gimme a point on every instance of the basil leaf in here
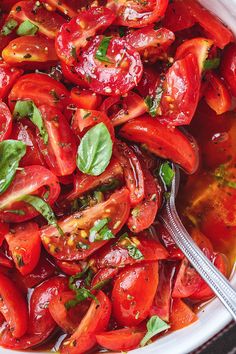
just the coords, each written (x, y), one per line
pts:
(9, 27)
(28, 109)
(102, 50)
(44, 209)
(166, 173)
(27, 28)
(100, 231)
(95, 150)
(80, 295)
(210, 64)
(78, 276)
(132, 248)
(154, 326)
(153, 102)
(11, 152)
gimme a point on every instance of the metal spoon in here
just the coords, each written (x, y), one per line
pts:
(217, 282)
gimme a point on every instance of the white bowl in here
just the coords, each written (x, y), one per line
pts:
(213, 317)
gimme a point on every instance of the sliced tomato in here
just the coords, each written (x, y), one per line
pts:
(118, 75)
(5, 261)
(84, 183)
(48, 91)
(181, 315)
(133, 173)
(62, 6)
(137, 14)
(85, 119)
(144, 213)
(163, 141)
(177, 16)
(33, 51)
(95, 321)
(104, 275)
(13, 307)
(118, 255)
(4, 40)
(149, 81)
(216, 94)
(85, 99)
(6, 5)
(174, 252)
(5, 121)
(76, 228)
(25, 245)
(121, 339)
(69, 74)
(48, 23)
(215, 29)
(181, 91)
(8, 76)
(30, 180)
(74, 35)
(4, 229)
(228, 67)
(69, 268)
(121, 109)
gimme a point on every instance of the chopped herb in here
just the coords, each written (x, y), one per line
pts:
(86, 115)
(154, 326)
(153, 102)
(166, 173)
(9, 27)
(134, 252)
(54, 95)
(16, 211)
(27, 28)
(81, 245)
(222, 175)
(80, 295)
(102, 50)
(73, 52)
(211, 64)
(100, 231)
(132, 248)
(19, 260)
(98, 196)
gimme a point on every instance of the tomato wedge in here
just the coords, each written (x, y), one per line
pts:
(4, 229)
(5, 121)
(164, 236)
(164, 142)
(104, 275)
(95, 321)
(61, 6)
(25, 245)
(76, 228)
(181, 315)
(228, 67)
(177, 16)
(121, 71)
(85, 99)
(8, 76)
(69, 268)
(129, 308)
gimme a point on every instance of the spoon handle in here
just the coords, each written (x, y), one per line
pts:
(218, 283)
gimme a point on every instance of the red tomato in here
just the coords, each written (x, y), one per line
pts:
(13, 307)
(216, 94)
(181, 90)
(181, 315)
(60, 150)
(30, 180)
(121, 339)
(133, 172)
(4, 229)
(84, 183)
(61, 6)
(48, 91)
(122, 71)
(76, 228)
(4, 40)
(216, 30)
(30, 51)
(149, 81)
(164, 142)
(48, 23)
(104, 275)
(121, 109)
(25, 245)
(5, 121)
(177, 16)
(69, 268)
(74, 35)
(117, 254)
(6, 5)
(85, 119)
(144, 213)
(70, 75)
(133, 293)
(95, 321)
(5, 262)
(174, 252)
(85, 99)
(8, 76)
(228, 67)
(137, 14)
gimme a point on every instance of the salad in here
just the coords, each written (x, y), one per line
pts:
(97, 99)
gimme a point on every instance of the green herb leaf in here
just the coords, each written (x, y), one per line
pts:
(16, 211)
(44, 209)
(78, 276)
(102, 50)
(95, 150)
(153, 102)
(166, 173)
(11, 152)
(19, 260)
(154, 326)
(28, 109)
(100, 231)
(210, 64)
(81, 295)
(27, 28)
(132, 248)
(9, 27)
(222, 175)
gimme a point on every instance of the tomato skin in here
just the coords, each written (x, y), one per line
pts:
(30, 180)
(150, 79)
(4, 229)
(13, 307)
(174, 252)
(42, 94)
(75, 33)
(25, 246)
(70, 75)
(120, 339)
(95, 321)
(69, 268)
(104, 275)
(85, 99)
(163, 141)
(5, 121)
(228, 67)
(116, 208)
(181, 315)
(134, 280)
(62, 6)
(8, 76)
(177, 16)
